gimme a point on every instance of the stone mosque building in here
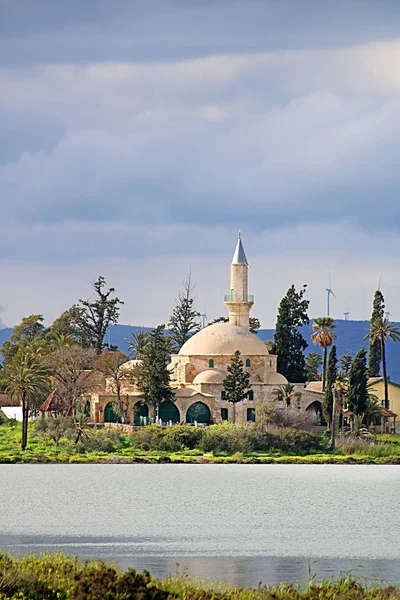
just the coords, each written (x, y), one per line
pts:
(198, 371)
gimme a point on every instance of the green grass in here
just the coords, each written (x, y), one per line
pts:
(385, 451)
(60, 577)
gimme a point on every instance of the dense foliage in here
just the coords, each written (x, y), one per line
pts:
(374, 357)
(237, 382)
(289, 343)
(357, 395)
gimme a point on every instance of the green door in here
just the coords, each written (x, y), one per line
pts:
(168, 412)
(140, 410)
(109, 414)
(87, 409)
(251, 414)
(198, 412)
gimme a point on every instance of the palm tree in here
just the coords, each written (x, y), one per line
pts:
(287, 393)
(339, 389)
(373, 410)
(323, 336)
(137, 343)
(382, 330)
(26, 380)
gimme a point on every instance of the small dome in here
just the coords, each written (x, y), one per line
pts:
(225, 339)
(274, 378)
(209, 376)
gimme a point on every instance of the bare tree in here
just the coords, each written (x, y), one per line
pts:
(110, 362)
(70, 367)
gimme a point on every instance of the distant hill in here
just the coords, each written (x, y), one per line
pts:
(350, 336)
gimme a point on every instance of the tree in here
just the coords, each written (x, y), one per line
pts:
(382, 330)
(70, 367)
(357, 394)
(237, 382)
(137, 343)
(286, 393)
(153, 377)
(313, 363)
(375, 356)
(27, 381)
(331, 375)
(345, 363)
(184, 321)
(373, 410)
(289, 343)
(93, 317)
(323, 336)
(31, 330)
(254, 323)
(110, 362)
(66, 326)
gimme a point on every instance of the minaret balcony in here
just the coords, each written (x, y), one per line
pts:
(231, 298)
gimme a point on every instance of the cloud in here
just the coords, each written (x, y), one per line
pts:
(201, 141)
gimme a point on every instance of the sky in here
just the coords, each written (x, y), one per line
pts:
(138, 137)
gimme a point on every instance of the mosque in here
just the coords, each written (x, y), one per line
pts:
(198, 370)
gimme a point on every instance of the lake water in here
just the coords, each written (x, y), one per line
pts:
(238, 523)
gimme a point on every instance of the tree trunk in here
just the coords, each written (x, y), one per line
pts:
(24, 439)
(333, 426)
(324, 367)
(384, 372)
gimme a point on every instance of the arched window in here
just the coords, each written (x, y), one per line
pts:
(250, 395)
(251, 414)
(211, 363)
(223, 395)
(248, 362)
(270, 363)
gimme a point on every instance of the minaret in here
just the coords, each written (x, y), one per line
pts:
(239, 302)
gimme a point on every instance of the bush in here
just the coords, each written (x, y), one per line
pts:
(229, 438)
(101, 440)
(3, 418)
(169, 439)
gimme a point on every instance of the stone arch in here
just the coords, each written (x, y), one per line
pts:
(168, 411)
(315, 410)
(140, 410)
(109, 415)
(198, 412)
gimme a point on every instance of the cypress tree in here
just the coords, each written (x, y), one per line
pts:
(289, 343)
(237, 382)
(357, 395)
(154, 377)
(331, 374)
(375, 356)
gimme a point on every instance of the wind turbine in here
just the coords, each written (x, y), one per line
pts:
(329, 294)
(388, 315)
(346, 315)
(204, 319)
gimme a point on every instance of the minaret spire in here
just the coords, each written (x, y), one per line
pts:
(239, 302)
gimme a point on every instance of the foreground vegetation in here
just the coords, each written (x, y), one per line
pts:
(59, 577)
(64, 441)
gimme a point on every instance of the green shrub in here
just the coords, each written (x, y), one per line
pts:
(101, 440)
(169, 439)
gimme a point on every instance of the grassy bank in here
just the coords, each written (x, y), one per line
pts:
(182, 444)
(59, 577)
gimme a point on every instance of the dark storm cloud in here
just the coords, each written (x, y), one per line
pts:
(78, 31)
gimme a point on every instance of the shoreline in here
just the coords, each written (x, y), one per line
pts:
(171, 459)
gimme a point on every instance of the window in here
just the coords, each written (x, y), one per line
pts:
(270, 363)
(211, 363)
(250, 395)
(248, 362)
(251, 414)
(224, 414)
(223, 395)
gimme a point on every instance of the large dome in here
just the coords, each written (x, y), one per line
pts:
(224, 338)
(209, 376)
